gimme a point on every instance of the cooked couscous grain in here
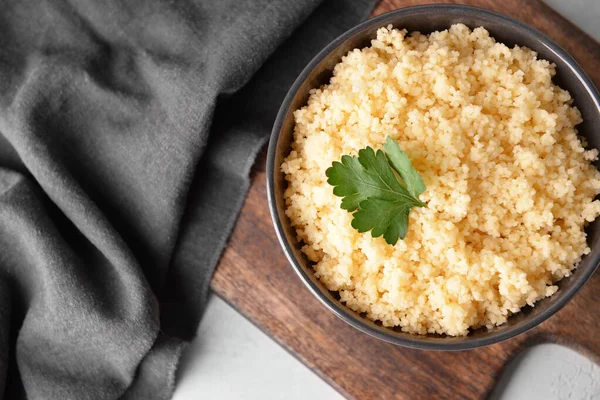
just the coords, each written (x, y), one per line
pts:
(509, 184)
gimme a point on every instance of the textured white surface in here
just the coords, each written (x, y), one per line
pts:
(583, 13)
(549, 371)
(232, 359)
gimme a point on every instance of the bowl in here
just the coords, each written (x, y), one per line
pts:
(426, 19)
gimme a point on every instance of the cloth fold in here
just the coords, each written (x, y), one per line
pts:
(127, 131)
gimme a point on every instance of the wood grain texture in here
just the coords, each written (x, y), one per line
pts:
(255, 278)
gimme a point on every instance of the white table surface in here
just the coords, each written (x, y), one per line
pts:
(233, 359)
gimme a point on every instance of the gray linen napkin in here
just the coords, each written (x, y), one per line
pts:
(127, 131)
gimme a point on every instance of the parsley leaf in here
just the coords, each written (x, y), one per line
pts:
(401, 163)
(369, 186)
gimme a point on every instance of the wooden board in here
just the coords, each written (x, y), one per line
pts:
(255, 278)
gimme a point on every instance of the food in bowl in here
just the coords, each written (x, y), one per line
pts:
(509, 184)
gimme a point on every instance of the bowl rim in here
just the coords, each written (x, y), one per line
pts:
(342, 311)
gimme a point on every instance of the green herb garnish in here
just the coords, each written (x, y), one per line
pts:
(369, 186)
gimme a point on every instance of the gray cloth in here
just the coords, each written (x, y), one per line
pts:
(127, 131)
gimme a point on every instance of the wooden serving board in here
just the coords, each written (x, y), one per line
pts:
(255, 278)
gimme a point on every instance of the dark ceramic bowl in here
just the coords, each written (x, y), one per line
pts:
(426, 19)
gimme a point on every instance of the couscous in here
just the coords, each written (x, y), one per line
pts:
(509, 184)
